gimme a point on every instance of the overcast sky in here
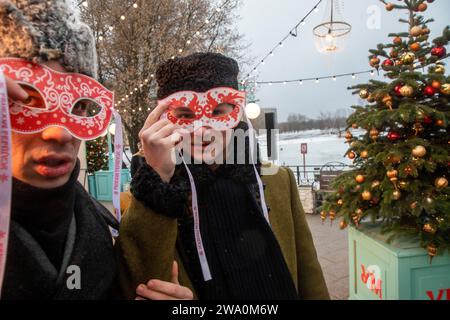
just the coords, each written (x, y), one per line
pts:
(265, 22)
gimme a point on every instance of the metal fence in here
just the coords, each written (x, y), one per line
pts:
(311, 175)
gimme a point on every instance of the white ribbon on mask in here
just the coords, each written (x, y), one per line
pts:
(118, 148)
(198, 236)
(195, 212)
(5, 176)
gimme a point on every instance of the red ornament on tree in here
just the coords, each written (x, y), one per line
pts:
(393, 136)
(429, 91)
(439, 51)
(397, 90)
(387, 63)
(427, 120)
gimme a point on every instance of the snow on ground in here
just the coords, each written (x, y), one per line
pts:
(323, 147)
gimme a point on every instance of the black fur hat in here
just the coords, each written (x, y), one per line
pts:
(196, 72)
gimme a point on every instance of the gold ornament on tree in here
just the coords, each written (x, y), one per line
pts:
(445, 89)
(348, 136)
(419, 151)
(407, 91)
(332, 215)
(441, 183)
(392, 175)
(364, 94)
(387, 101)
(439, 69)
(323, 216)
(396, 195)
(415, 46)
(375, 62)
(374, 133)
(432, 251)
(408, 58)
(422, 7)
(402, 184)
(360, 178)
(375, 184)
(429, 228)
(416, 31)
(359, 212)
(355, 220)
(366, 195)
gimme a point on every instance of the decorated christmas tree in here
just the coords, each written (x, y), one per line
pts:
(402, 160)
(97, 154)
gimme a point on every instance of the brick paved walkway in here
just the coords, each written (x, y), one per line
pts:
(332, 248)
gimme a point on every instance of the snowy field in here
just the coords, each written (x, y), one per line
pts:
(323, 147)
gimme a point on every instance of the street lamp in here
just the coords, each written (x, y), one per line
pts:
(252, 110)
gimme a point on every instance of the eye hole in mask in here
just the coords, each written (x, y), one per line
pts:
(222, 109)
(86, 108)
(34, 100)
(183, 113)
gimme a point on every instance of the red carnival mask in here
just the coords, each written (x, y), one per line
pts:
(191, 110)
(55, 99)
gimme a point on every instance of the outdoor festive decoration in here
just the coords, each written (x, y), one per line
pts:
(97, 155)
(108, 29)
(317, 79)
(292, 33)
(331, 34)
(406, 147)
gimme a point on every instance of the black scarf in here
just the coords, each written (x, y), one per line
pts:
(52, 229)
(243, 254)
(49, 229)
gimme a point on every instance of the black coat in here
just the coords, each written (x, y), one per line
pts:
(29, 273)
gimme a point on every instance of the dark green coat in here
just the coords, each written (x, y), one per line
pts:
(146, 246)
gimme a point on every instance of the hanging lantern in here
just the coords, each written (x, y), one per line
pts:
(331, 34)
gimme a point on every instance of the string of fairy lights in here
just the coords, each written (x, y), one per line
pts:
(292, 33)
(301, 81)
(188, 42)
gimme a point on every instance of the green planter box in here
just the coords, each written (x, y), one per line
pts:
(399, 270)
(103, 183)
(91, 185)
